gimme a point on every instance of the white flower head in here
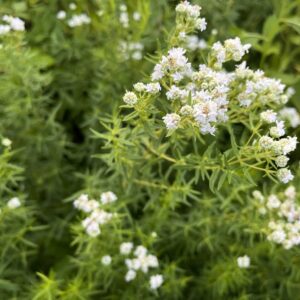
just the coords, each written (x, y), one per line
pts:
(290, 192)
(171, 121)
(130, 98)
(258, 196)
(281, 161)
(290, 115)
(61, 15)
(130, 275)
(6, 142)
(106, 260)
(273, 202)
(285, 175)
(278, 130)
(268, 116)
(14, 203)
(126, 248)
(4, 29)
(92, 227)
(136, 16)
(72, 6)
(108, 197)
(201, 24)
(243, 261)
(140, 251)
(265, 142)
(15, 23)
(79, 20)
(139, 87)
(156, 281)
(153, 88)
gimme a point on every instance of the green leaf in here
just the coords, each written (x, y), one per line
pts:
(293, 22)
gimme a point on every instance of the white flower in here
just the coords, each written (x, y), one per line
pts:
(156, 281)
(136, 16)
(201, 24)
(214, 31)
(123, 7)
(268, 116)
(15, 23)
(139, 87)
(281, 161)
(101, 216)
(243, 261)
(157, 73)
(126, 248)
(219, 52)
(14, 203)
(79, 20)
(258, 196)
(61, 15)
(108, 197)
(285, 175)
(4, 29)
(273, 202)
(152, 261)
(290, 192)
(130, 98)
(202, 44)
(176, 58)
(265, 142)
(72, 6)
(291, 115)
(153, 88)
(288, 244)
(154, 234)
(284, 145)
(186, 110)
(174, 93)
(278, 130)
(130, 275)
(262, 210)
(171, 121)
(92, 228)
(124, 19)
(6, 142)
(106, 260)
(137, 55)
(234, 49)
(81, 202)
(278, 236)
(140, 251)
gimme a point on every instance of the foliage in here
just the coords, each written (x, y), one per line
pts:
(182, 197)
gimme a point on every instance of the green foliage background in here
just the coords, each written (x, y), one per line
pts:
(60, 92)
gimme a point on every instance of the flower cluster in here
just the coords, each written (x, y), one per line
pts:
(232, 49)
(75, 20)
(202, 98)
(278, 146)
(97, 215)
(189, 14)
(255, 88)
(124, 16)
(131, 50)
(11, 24)
(283, 214)
(141, 261)
(209, 96)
